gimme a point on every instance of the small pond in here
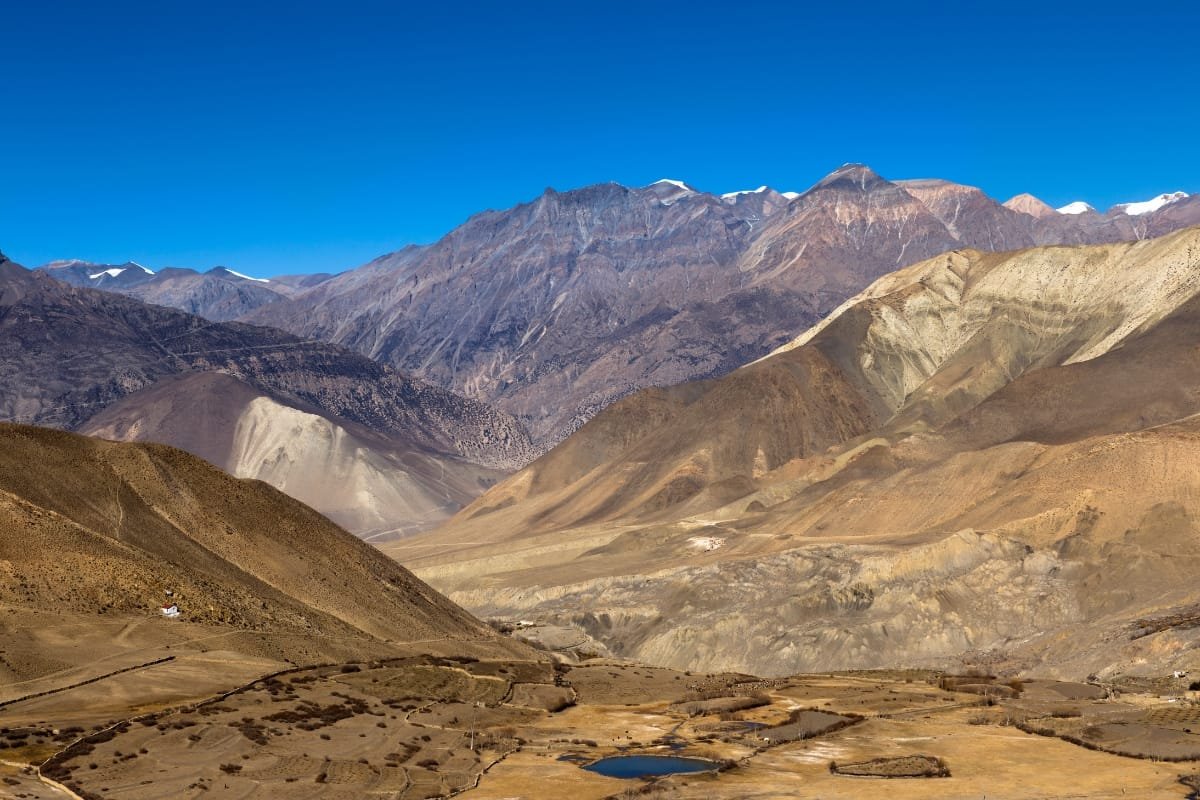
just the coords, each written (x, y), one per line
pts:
(649, 766)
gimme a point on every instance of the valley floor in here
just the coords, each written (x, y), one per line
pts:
(150, 709)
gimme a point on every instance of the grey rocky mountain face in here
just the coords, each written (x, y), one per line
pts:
(555, 308)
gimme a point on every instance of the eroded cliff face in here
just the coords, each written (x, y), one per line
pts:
(1014, 481)
(558, 307)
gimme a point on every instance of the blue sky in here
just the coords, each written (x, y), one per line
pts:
(302, 137)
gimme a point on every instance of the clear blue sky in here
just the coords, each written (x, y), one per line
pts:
(314, 136)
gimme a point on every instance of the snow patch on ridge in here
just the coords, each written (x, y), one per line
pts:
(731, 195)
(673, 182)
(112, 273)
(1153, 204)
(1078, 207)
(245, 277)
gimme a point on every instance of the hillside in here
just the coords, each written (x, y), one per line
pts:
(983, 455)
(368, 483)
(93, 528)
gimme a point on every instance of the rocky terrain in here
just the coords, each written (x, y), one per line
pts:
(555, 308)
(219, 294)
(983, 458)
(71, 354)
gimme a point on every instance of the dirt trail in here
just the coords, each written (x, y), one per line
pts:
(55, 786)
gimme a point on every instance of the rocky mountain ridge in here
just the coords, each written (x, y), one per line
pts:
(555, 308)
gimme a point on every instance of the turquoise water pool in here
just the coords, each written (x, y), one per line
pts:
(648, 766)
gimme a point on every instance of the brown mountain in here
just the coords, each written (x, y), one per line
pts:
(555, 308)
(92, 527)
(983, 455)
(285, 409)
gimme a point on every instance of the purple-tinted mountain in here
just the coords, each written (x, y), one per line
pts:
(554, 308)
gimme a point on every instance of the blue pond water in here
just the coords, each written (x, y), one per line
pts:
(644, 766)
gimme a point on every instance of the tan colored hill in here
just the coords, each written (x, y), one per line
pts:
(375, 486)
(1026, 203)
(98, 530)
(983, 455)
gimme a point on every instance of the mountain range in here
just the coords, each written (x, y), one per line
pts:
(377, 451)
(219, 294)
(554, 308)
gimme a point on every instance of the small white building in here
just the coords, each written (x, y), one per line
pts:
(170, 611)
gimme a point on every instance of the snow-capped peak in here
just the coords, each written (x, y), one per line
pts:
(1146, 206)
(139, 266)
(791, 195)
(1078, 207)
(668, 191)
(731, 195)
(244, 277)
(673, 182)
(112, 273)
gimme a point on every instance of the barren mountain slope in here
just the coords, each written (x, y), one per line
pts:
(70, 352)
(96, 527)
(1020, 482)
(1026, 203)
(372, 485)
(557, 305)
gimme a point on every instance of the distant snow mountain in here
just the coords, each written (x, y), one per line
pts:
(1147, 206)
(228, 271)
(1078, 207)
(1128, 209)
(731, 195)
(98, 276)
(219, 294)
